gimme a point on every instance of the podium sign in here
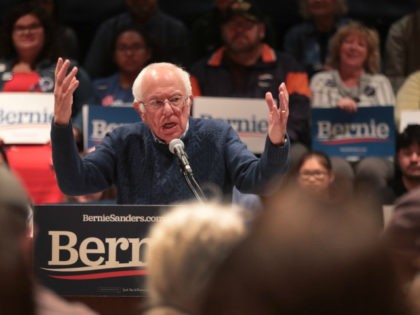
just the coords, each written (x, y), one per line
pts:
(93, 250)
(368, 132)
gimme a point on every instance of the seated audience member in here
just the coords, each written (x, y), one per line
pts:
(352, 83)
(132, 51)
(309, 41)
(21, 293)
(315, 175)
(169, 34)
(27, 65)
(245, 66)
(205, 31)
(68, 45)
(407, 163)
(300, 259)
(28, 53)
(185, 247)
(402, 49)
(408, 96)
(137, 157)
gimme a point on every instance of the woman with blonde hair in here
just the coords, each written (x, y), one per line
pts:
(354, 82)
(185, 248)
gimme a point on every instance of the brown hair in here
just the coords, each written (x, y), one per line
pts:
(372, 63)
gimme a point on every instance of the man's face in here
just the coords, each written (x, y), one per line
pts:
(409, 161)
(241, 34)
(164, 86)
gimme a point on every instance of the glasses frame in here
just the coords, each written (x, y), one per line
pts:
(156, 104)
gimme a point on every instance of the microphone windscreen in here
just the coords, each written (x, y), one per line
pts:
(175, 143)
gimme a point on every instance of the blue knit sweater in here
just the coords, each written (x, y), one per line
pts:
(145, 172)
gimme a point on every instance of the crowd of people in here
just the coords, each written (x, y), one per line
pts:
(314, 227)
(329, 59)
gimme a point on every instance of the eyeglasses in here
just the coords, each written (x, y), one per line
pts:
(30, 27)
(315, 174)
(156, 104)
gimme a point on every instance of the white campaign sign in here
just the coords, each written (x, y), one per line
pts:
(25, 118)
(409, 117)
(249, 117)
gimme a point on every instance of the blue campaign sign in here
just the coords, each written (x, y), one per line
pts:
(368, 132)
(99, 120)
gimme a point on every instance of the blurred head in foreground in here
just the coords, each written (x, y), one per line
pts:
(184, 250)
(16, 292)
(299, 258)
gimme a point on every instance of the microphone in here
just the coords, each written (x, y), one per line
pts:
(176, 146)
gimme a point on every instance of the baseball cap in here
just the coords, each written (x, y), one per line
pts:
(243, 8)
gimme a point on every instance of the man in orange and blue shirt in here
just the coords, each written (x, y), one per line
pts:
(246, 66)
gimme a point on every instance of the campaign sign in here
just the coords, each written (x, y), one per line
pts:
(99, 120)
(93, 250)
(368, 132)
(247, 116)
(409, 117)
(25, 117)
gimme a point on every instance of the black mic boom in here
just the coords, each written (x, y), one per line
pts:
(176, 146)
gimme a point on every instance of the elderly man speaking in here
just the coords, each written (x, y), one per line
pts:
(138, 158)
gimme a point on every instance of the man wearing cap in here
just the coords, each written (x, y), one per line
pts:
(247, 67)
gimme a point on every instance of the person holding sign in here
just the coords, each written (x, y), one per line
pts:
(355, 82)
(138, 158)
(28, 53)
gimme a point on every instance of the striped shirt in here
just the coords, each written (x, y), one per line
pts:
(327, 90)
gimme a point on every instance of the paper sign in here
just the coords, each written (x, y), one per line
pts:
(25, 118)
(247, 116)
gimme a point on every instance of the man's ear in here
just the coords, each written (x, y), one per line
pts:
(139, 108)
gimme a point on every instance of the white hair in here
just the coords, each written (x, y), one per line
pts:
(185, 249)
(166, 66)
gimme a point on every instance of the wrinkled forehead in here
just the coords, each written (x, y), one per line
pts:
(162, 81)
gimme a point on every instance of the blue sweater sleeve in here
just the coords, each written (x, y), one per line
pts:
(74, 175)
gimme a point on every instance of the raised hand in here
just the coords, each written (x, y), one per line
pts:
(277, 117)
(65, 85)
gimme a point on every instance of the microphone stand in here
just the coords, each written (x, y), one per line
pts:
(193, 185)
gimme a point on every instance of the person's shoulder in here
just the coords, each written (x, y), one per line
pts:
(105, 80)
(379, 77)
(323, 75)
(288, 61)
(115, 21)
(322, 79)
(414, 77)
(168, 19)
(404, 21)
(300, 29)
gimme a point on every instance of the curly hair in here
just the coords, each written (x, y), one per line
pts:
(373, 60)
